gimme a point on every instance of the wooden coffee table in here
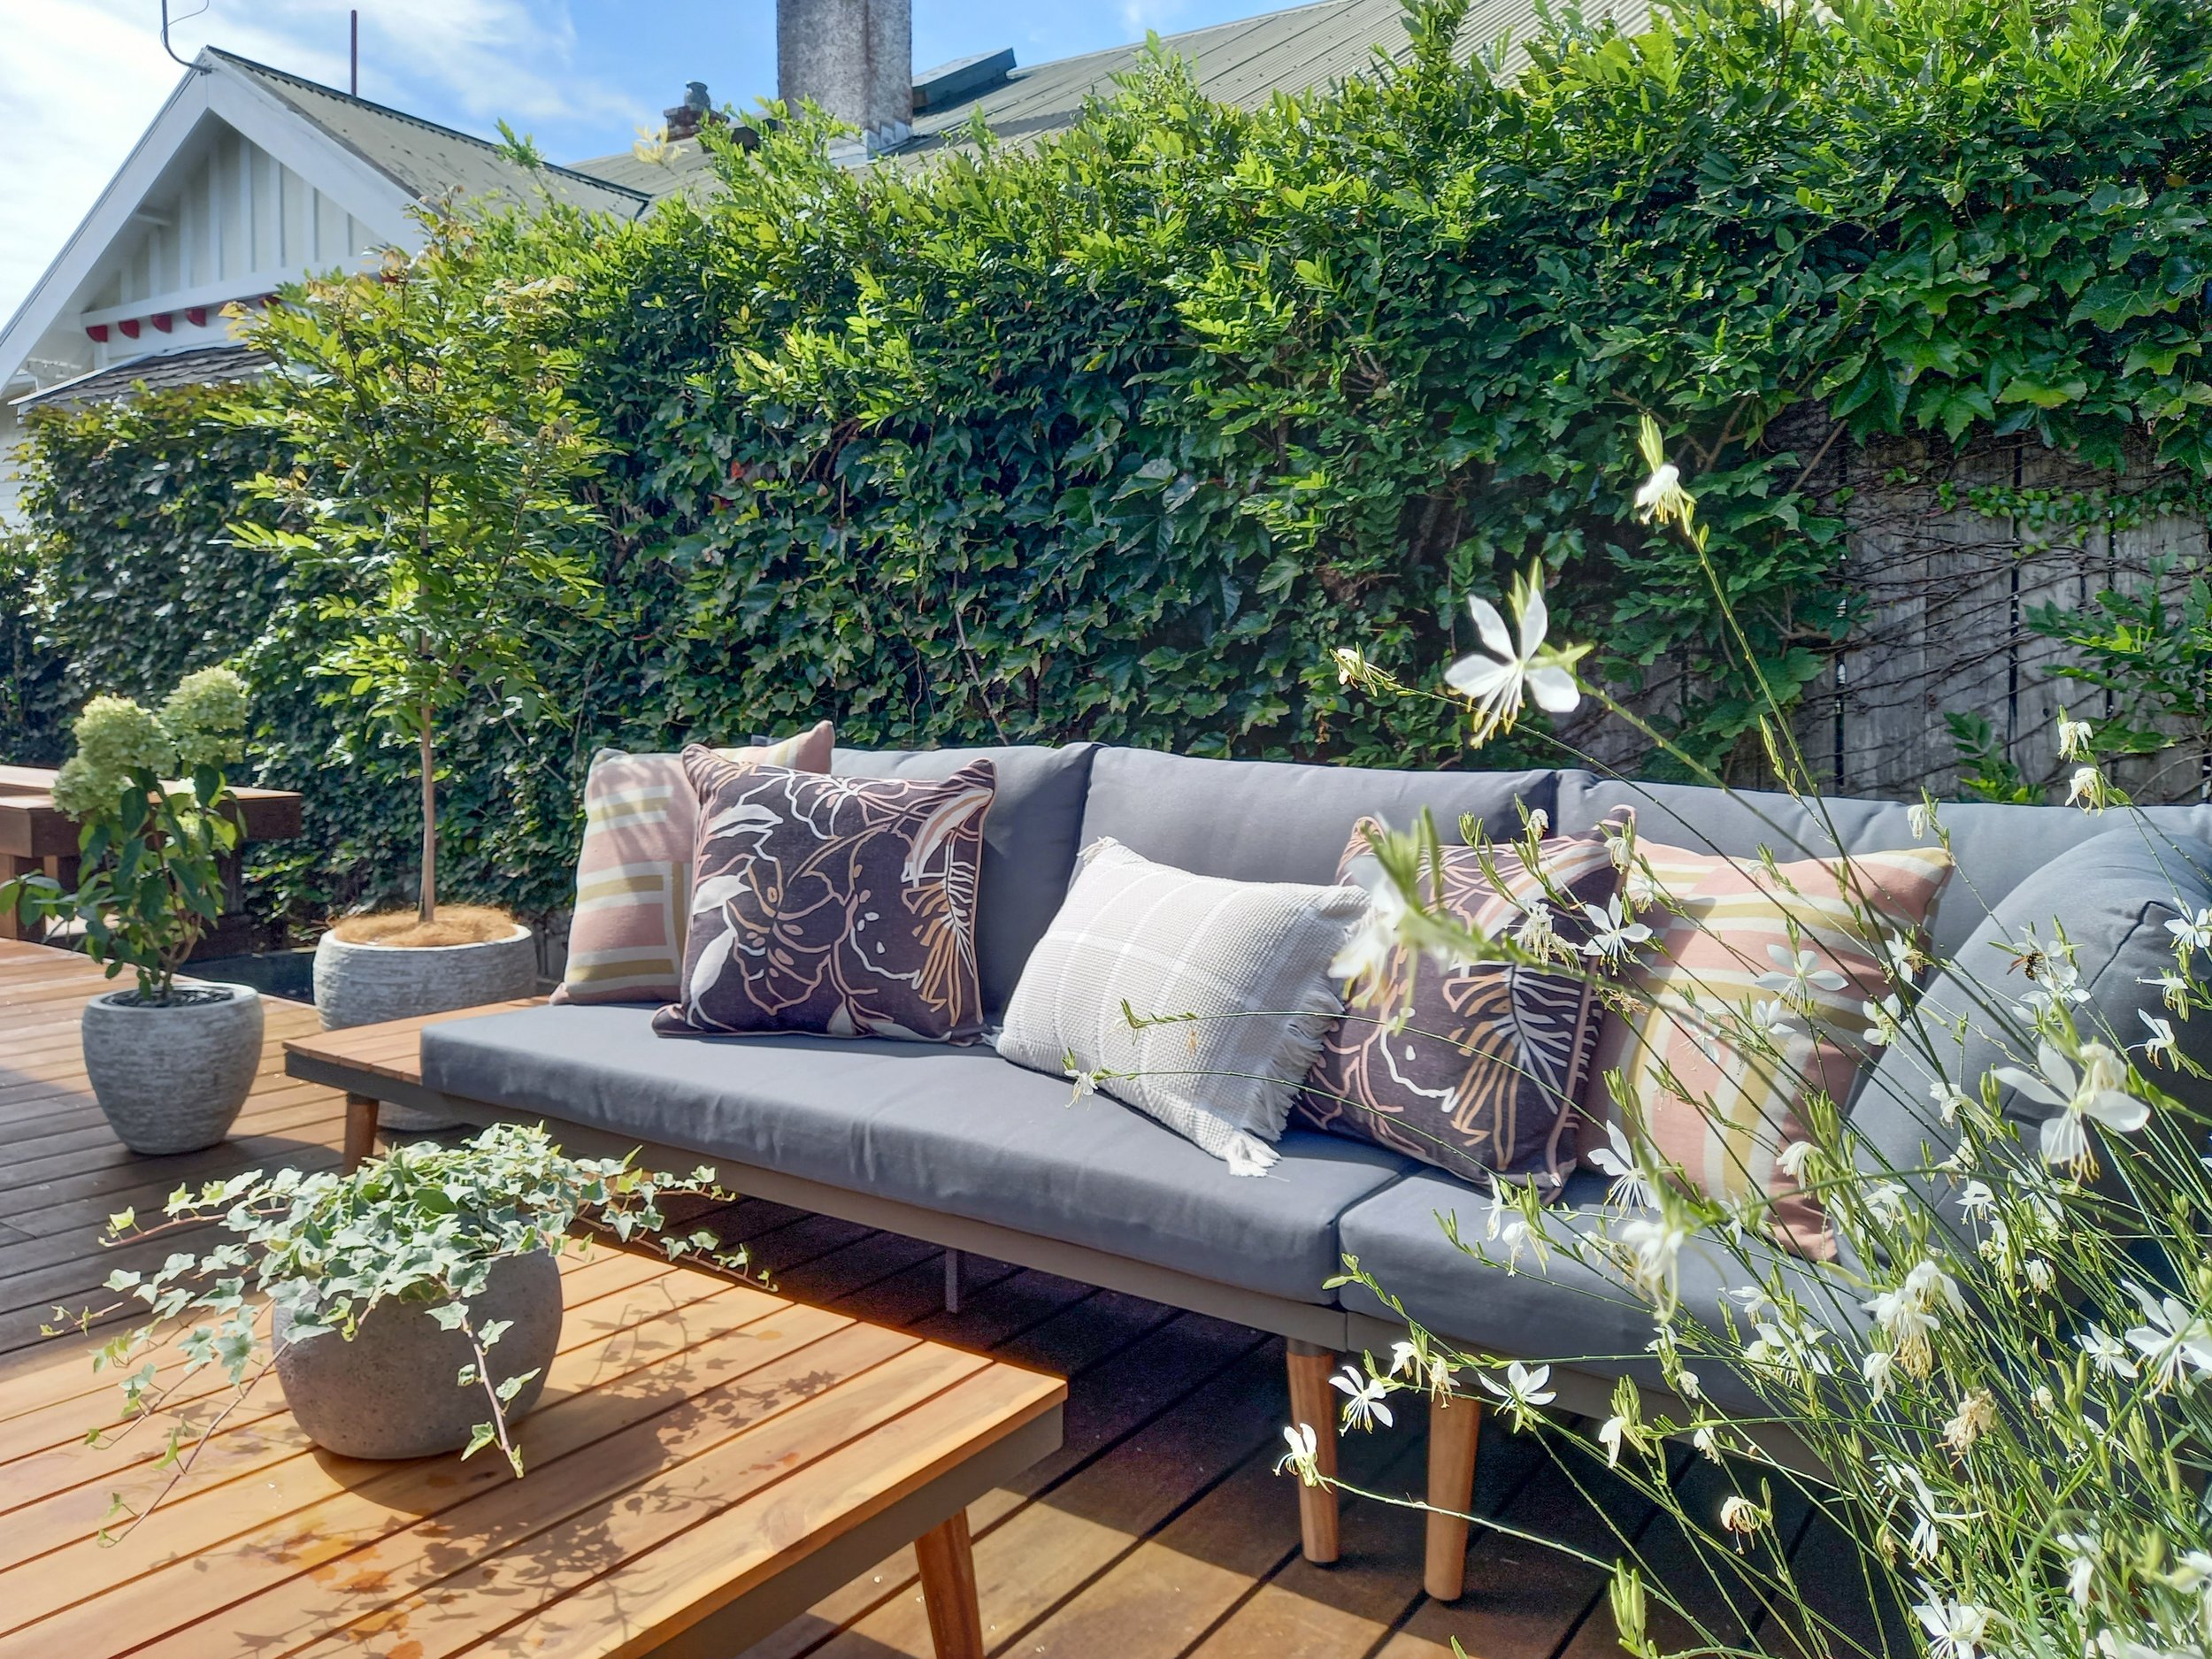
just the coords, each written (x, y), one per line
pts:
(708, 1460)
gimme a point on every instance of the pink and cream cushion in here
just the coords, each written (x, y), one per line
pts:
(1475, 1069)
(845, 906)
(633, 874)
(1794, 953)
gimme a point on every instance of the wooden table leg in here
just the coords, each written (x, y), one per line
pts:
(1312, 1404)
(360, 1130)
(955, 1623)
(1454, 1425)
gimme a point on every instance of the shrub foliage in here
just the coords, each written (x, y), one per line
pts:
(1113, 435)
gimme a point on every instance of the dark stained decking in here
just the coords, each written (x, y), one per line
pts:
(1159, 1530)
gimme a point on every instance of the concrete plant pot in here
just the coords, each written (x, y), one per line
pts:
(171, 1078)
(390, 1392)
(367, 984)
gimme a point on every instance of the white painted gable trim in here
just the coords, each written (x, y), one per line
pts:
(213, 88)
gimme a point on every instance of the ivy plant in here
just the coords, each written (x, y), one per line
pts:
(421, 1227)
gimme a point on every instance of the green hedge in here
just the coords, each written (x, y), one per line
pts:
(1114, 435)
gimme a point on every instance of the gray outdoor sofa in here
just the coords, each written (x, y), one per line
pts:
(959, 1147)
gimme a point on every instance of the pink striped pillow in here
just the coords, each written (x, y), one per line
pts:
(633, 874)
(1714, 1098)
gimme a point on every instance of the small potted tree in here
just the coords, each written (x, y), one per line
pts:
(409, 1308)
(448, 543)
(170, 1063)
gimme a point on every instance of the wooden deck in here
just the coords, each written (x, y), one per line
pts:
(1158, 1531)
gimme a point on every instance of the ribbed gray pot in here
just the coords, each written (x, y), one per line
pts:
(172, 1079)
(365, 985)
(392, 1391)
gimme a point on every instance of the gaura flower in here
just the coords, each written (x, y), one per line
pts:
(1303, 1458)
(1798, 974)
(2073, 738)
(1977, 1413)
(1500, 678)
(2175, 1341)
(1740, 1515)
(1523, 1388)
(1956, 1630)
(1363, 1398)
(1630, 1190)
(1612, 934)
(2192, 933)
(2094, 1093)
(2160, 1042)
(2106, 1353)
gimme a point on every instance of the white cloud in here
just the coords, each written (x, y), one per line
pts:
(80, 79)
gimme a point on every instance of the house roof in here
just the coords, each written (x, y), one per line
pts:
(429, 161)
(1246, 62)
(155, 371)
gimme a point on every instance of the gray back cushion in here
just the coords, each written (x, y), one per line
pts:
(1261, 820)
(1997, 847)
(2114, 894)
(1029, 842)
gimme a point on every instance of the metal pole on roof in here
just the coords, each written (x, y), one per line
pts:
(353, 56)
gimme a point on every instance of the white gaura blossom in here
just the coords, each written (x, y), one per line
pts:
(2158, 1047)
(1612, 934)
(2106, 1353)
(2094, 1093)
(1432, 1370)
(1977, 1413)
(1534, 932)
(2073, 738)
(1797, 974)
(1977, 1200)
(1884, 1020)
(1920, 819)
(2083, 1550)
(1617, 1159)
(1949, 1099)
(1363, 963)
(1652, 1248)
(1524, 1388)
(1304, 1455)
(1911, 1314)
(1956, 1630)
(1500, 677)
(1507, 1226)
(1772, 1021)
(1363, 1398)
(1929, 1517)
(1792, 1159)
(2192, 932)
(2088, 787)
(1876, 1367)
(2174, 1340)
(1740, 1516)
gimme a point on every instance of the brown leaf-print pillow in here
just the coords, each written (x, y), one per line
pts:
(1480, 1077)
(839, 905)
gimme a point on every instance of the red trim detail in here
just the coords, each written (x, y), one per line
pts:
(129, 325)
(162, 321)
(196, 315)
(97, 333)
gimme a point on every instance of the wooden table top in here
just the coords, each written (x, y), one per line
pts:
(32, 826)
(698, 1441)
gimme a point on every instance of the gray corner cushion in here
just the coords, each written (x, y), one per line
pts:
(1559, 1311)
(2113, 895)
(1997, 847)
(1029, 842)
(1261, 820)
(959, 1132)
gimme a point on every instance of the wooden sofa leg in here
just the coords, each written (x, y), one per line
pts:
(360, 1130)
(1312, 1404)
(1455, 1426)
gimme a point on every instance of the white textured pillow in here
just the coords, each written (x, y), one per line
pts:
(1168, 944)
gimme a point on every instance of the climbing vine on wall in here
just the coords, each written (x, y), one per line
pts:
(1113, 434)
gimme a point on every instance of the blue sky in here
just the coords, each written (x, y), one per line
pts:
(80, 78)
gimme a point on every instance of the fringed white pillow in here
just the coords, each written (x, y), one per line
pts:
(1237, 973)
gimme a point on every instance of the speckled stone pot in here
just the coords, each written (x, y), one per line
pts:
(172, 1079)
(365, 985)
(391, 1392)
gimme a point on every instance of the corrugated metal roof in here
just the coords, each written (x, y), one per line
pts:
(201, 365)
(430, 161)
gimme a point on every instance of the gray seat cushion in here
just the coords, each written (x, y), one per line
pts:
(1029, 842)
(1561, 1311)
(1259, 820)
(1997, 847)
(957, 1131)
(2114, 894)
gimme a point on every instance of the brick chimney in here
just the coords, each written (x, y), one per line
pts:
(855, 58)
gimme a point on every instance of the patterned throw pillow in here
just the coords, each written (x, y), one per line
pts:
(1198, 952)
(839, 905)
(1475, 1069)
(633, 875)
(1796, 951)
